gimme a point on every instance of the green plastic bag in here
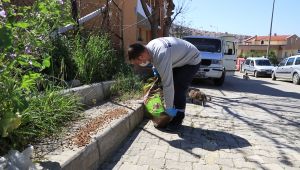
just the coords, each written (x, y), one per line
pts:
(153, 98)
(154, 105)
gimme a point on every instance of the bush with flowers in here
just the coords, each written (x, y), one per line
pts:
(26, 33)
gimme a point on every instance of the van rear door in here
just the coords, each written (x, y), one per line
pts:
(229, 56)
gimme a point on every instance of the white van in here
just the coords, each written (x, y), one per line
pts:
(218, 57)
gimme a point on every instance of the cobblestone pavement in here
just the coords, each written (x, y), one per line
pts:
(249, 124)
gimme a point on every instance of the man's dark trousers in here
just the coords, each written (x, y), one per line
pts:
(182, 77)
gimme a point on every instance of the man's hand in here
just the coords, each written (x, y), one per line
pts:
(171, 112)
(155, 72)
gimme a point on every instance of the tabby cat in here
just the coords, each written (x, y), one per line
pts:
(198, 97)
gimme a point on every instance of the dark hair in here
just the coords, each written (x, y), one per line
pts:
(135, 50)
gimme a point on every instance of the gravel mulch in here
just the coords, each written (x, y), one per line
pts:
(80, 132)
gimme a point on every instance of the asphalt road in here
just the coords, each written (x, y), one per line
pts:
(249, 124)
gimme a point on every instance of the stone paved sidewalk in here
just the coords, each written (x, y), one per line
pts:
(239, 129)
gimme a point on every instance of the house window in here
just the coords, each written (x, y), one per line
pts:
(262, 42)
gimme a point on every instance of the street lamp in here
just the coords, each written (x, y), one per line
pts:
(268, 49)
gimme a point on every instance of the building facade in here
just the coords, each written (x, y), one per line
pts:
(124, 20)
(281, 45)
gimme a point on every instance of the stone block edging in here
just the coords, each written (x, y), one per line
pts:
(105, 142)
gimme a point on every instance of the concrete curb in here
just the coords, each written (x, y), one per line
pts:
(92, 94)
(104, 143)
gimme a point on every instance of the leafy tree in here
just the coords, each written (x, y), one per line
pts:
(273, 58)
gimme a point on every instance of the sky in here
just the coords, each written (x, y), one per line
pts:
(246, 17)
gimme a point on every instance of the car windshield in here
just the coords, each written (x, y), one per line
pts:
(262, 62)
(206, 44)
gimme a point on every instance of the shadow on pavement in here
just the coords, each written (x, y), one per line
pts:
(209, 140)
(190, 139)
(236, 84)
(265, 128)
(225, 102)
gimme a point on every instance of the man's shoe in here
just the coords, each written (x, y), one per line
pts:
(173, 127)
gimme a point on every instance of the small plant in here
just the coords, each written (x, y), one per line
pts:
(95, 59)
(63, 66)
(127, 86)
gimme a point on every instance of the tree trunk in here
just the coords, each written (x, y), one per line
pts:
(153, 17)
(75, 16)
(167, 17)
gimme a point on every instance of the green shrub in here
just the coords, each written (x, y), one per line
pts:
(45, 115)
(63, 66)
(273, 58)
(95, 59)
(24, 53)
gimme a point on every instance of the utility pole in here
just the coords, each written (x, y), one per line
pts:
(268, 49)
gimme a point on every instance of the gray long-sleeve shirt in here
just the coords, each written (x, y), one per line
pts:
(168, 53)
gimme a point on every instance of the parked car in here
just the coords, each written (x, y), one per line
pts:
(289, 69)
(258, 66)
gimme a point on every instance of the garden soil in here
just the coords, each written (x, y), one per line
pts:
(80, 132)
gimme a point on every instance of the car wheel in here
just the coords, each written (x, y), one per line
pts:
(296, 78)
(220, 81)
(273, 76)
(255, 74)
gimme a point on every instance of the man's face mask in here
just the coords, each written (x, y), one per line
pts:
(144, 64)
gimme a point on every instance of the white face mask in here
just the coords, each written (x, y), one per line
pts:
(144, 64)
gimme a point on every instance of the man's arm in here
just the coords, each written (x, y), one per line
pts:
(164, 68)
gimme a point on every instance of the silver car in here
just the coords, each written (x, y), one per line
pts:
(289, 69)
(258, 66)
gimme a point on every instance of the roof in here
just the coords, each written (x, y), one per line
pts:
(273, 38)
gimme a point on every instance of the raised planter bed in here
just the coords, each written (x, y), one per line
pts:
(93, 138)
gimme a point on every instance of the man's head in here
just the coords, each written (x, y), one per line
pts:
(138, 55)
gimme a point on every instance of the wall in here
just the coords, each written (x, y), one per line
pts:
(266, 42)
(123, 24)
(129, 21)
(288, 53)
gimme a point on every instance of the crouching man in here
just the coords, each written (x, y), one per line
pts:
(176, 61)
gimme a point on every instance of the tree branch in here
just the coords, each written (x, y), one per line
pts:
(145, 8)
